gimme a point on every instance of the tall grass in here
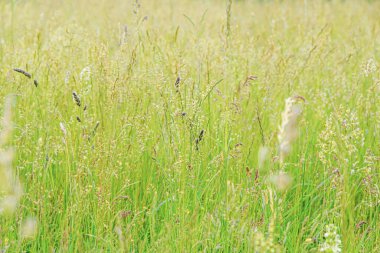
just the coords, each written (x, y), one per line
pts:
(154, 126)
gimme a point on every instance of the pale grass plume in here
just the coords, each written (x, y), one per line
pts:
(7, 120)
(67, 77)
(63, 128)
(288, 131)
(8, 204)
(282, 181)
(28, 229)
(118, 230)
(262, 156)
(10, 186)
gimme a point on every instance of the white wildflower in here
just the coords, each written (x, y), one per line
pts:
(369, 67)
(85, 74)
(332, 241)
(67, 77)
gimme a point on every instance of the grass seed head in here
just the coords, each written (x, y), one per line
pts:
(28, 75)
(76, 98)
(63, 128)
(176, 84)
(288, 129)
(199, 139)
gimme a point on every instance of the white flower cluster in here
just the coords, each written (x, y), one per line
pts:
(332, 241)
(85, 77)
(85, 74)
(369, 67)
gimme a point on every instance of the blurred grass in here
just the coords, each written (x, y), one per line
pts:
(140, 172)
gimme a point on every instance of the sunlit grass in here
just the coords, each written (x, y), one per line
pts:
(159, 148)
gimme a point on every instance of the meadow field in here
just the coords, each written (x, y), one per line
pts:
(189, 126)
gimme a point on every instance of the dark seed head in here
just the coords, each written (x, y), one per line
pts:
(252, 77)
(176, 84)
(198, 140)
(95, 128)
(125, 214)
(76, 98)
(201, 135)
(23, 72)
(299, 97)
(94, 131)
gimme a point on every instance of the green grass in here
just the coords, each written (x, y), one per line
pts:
(139, 182)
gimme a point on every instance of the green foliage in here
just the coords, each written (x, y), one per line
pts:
(158, 150)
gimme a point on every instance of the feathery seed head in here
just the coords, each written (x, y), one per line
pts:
(28, 229)
(10, 187)
(281, 181)
(63, 128)
(288, 128)
(262, 156)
